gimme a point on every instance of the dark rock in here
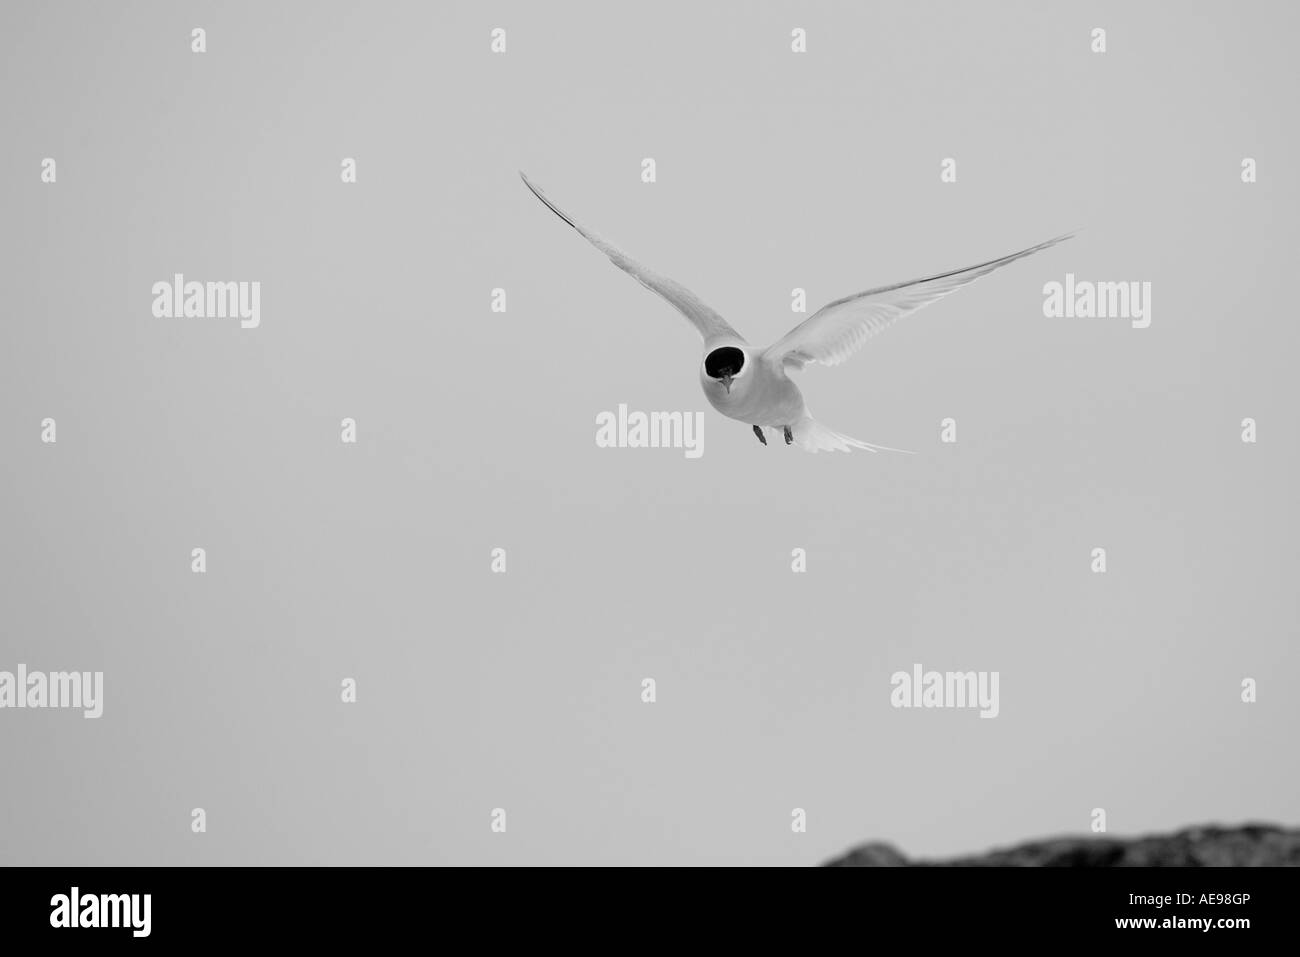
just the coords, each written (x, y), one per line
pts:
(1251, 845)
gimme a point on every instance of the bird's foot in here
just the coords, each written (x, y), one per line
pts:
(761, 437)
(789, 436)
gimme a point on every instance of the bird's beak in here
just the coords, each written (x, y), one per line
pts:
(726, 381)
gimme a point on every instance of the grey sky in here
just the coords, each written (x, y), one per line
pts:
(521, 690)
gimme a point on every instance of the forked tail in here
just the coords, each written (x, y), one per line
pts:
(811, 436)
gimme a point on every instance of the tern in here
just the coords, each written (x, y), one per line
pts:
(753, 385)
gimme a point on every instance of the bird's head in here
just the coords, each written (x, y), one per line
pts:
(724, 365)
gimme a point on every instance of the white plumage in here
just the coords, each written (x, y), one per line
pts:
(751, 385)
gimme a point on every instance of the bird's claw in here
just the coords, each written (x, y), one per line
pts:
(789, 436)
(761, 437)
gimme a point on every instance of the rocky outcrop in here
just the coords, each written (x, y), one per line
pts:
(1251, 845)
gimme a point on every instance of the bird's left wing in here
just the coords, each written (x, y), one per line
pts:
(709, 324)
(839, 329)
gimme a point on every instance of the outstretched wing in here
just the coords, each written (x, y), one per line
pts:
(839, 329)
(709, 324)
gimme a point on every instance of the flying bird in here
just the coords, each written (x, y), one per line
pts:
(752, 385)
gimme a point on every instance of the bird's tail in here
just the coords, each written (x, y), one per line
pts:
(811, 436)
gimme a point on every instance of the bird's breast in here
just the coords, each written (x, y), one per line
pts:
(758, 398)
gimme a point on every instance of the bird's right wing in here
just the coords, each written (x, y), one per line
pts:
(839, 329)
(709, 324)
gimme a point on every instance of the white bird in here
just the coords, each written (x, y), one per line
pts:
(750, 384)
